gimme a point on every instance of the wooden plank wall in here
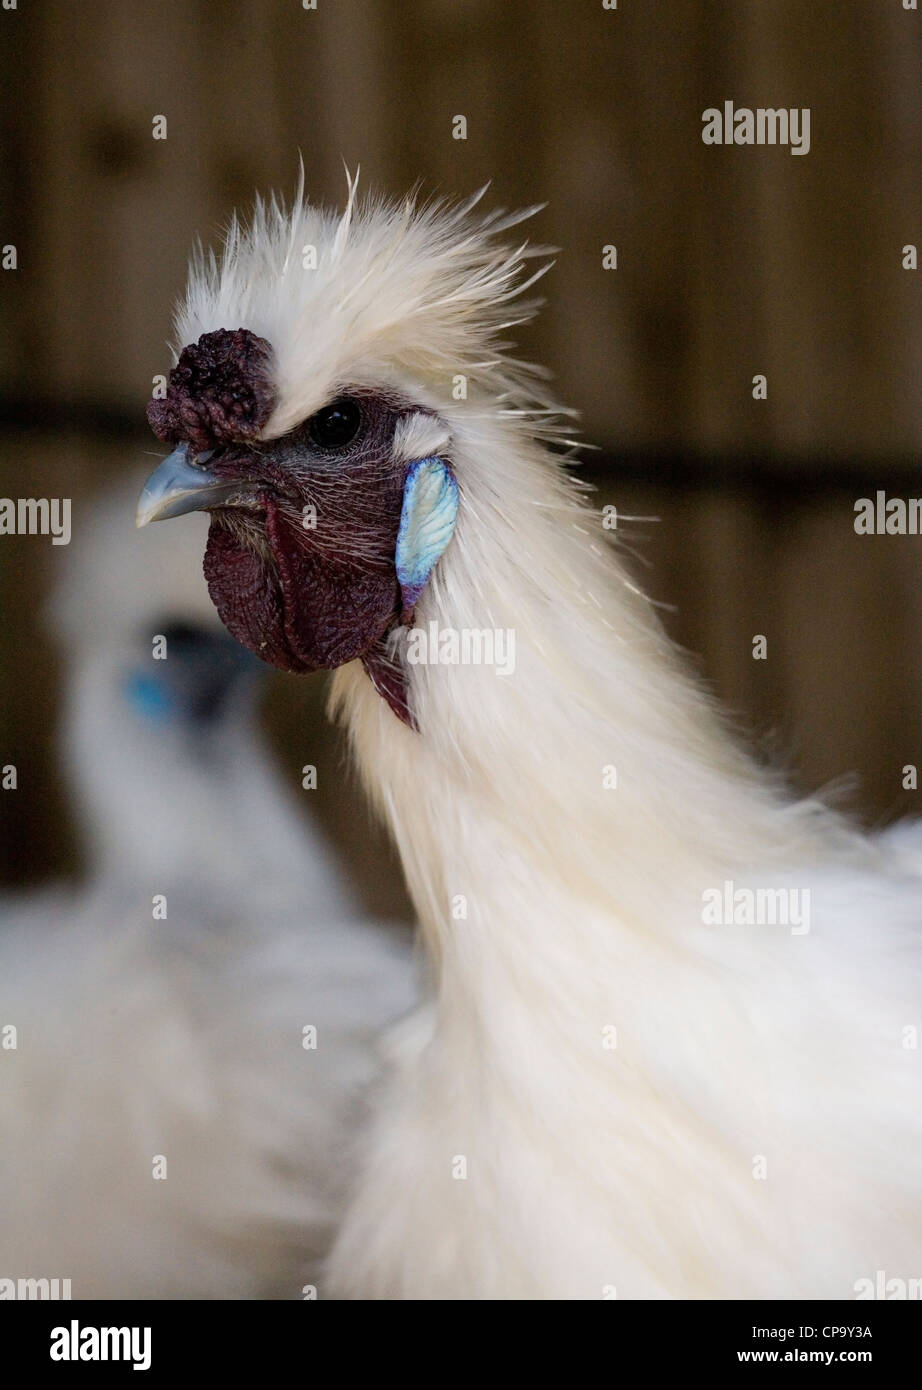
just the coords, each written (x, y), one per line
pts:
(731, 261)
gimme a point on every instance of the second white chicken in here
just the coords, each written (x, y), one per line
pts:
(195, 1026)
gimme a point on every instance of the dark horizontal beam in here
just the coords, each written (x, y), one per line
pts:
(746, 470)
(61, 417)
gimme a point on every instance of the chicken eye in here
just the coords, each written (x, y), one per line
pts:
(336, 425)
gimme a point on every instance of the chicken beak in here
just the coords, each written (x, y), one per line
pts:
(179, 486)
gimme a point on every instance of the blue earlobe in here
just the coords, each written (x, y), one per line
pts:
(427, 523)
(148, 697)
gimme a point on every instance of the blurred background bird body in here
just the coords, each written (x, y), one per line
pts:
(196, 1022)
(607, 1091)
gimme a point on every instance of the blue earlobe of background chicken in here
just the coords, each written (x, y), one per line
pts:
(427, 523)
(149, 697)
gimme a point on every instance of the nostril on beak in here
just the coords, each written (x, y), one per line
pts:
(179, 486)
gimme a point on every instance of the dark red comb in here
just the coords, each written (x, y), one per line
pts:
(219, 391)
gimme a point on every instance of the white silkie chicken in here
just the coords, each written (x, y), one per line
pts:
(168, 1127)
(671, 1047)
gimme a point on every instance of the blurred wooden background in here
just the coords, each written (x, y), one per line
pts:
(731, 262)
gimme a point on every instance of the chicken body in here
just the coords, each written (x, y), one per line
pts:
(672, 1046)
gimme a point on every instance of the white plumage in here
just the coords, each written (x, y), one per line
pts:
(605, 1092)
(181, 1038)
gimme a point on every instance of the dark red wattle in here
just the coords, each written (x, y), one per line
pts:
(334, 610)
(303, 610)
(244, 589)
